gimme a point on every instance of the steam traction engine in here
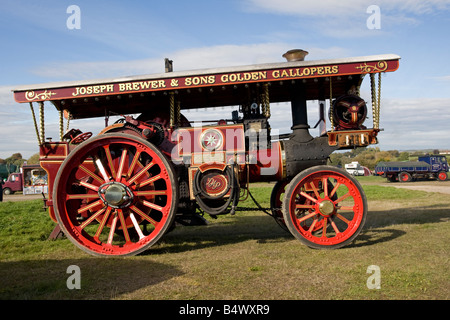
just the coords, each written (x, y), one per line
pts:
(117, 193)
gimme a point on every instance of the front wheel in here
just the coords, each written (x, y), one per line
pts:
(324, 207)
(115, 195)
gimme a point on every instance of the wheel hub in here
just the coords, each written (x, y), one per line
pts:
(326, 207)
(115, 194)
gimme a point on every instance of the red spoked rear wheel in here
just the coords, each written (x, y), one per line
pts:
(324, 207)
(115, 195)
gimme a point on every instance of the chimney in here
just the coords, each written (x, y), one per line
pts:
(295, 55)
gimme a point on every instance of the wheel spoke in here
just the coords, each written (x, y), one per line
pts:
(334, 226)
(316, 192)
(152, 206)
(102, 224)
(332, 193)
(324, 229)
(346, 208)
(143, 215)
(343, 218)
(345, 196)
(121, 165)
(150, 180)
(89, 186)
(82, 196)
(141, 172)
(133, 163)
(307, 217)
(90, 206)
(113, 228)
(90, 173)
(136, 226)
(150, 193)
(123, 224)
(304, 206)
(311, 228)
(307, 196)
(92, 217)
(325, 186)
(110, 161)
(100, 167)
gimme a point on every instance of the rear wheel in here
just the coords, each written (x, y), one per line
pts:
(115, 195)
(442, 176)
(404, 177)
(324, 207)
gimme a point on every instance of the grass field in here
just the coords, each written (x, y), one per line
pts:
(245, 256)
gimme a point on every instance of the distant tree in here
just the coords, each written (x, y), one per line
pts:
(404, 156)
(34, 159)
(16, 159)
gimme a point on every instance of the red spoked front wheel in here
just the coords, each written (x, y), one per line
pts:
(324, 207)
(115, 195)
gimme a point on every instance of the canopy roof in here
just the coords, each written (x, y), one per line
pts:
(207, 87)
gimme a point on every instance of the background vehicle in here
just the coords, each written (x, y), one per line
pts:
(427, 167)
(119, 192)
(31, 179)
(13, 183)
(355, 169)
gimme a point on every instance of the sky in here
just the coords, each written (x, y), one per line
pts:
(125, 38)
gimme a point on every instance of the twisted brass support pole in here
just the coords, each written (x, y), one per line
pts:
(172, 110)
(266, 100)
(61, 125)
(35, 123)
(41, 121)
(178, 113)
(331, 106)
(68, 121)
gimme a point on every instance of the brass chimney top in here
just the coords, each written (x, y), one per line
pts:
(295, 55)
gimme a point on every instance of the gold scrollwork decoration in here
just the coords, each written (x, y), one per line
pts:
(31, 95)
(379, 67)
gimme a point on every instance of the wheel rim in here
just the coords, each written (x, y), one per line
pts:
(404, 177)
(326, 208)
(442, 176)
(115, 195)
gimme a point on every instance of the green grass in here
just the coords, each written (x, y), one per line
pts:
(244, 256)
(391, 193)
